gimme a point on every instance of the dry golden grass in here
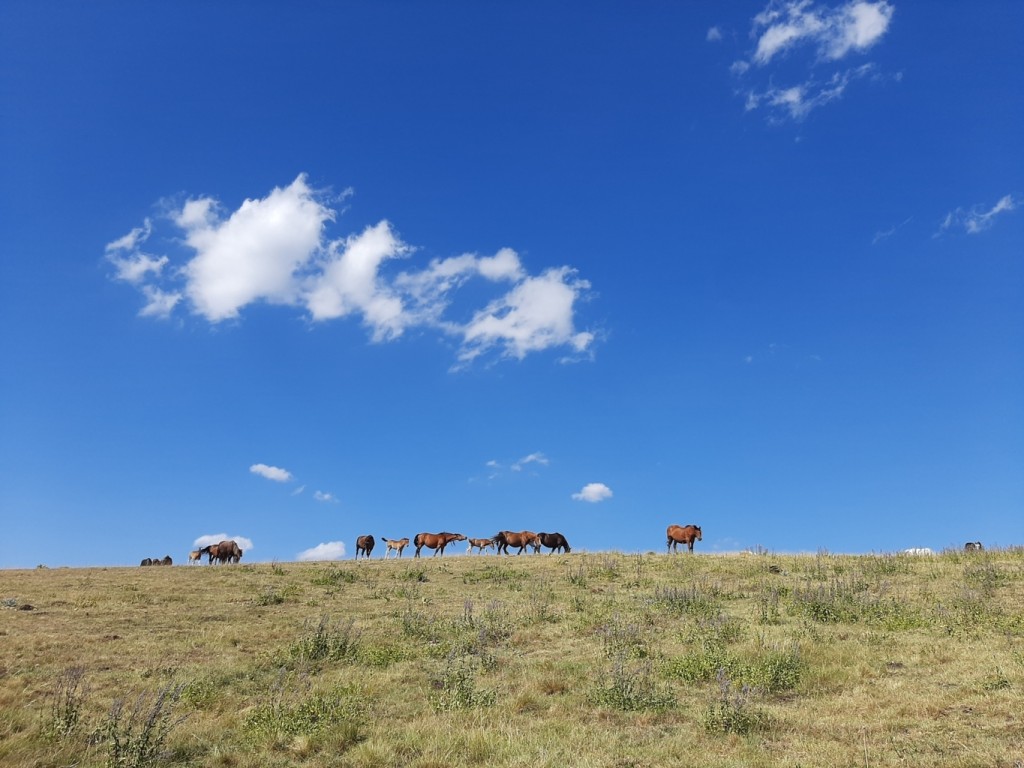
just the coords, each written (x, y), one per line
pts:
(599, 659)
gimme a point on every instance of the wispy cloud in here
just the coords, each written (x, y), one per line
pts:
(276, 250)
(976, 219)
(271, 473)
(827, 35)
(328, 498)
(886, 234)
(533, 458)
(714, 35)
(329, 550)
(244, 543)
(593, 492)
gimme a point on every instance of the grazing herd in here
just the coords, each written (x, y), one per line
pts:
(157, 561)
(228, 551)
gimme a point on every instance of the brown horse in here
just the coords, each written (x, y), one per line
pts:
(228, 551)
(479, 544)
(395, 544)
(973, 546)
(364, 544)
(194, 555)
(147, 561)
(166, 561)
(554, 541)
(522, 539)
(682, 535)
(436, 541)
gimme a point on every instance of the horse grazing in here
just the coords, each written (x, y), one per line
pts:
(522, 539)
(166, 561)
(147, 561)
(228, 551)
(396, 545)
(479, 544)
(973, 546)
(364, 544)
(436, 541)
(682, 535)
(194, 556)
(554, 541)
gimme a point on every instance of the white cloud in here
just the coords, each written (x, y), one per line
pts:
(831, 33)
(593, 492)
(244, 543)
(253, 254)
(536, 314)
(854, 26)
(329, 498)
(133, 239)
(977, 219)
(275, 250)
(271, 473)
(799, 100)
(158, 303)
(714, 35)
(298, 491)
(350, 282)
(533, 458)
(330, 550)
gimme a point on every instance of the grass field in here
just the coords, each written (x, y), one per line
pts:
(591, 659)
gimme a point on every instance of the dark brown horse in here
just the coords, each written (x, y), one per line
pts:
(436, 541)
(521, 539)
(682, 534)
(364, 544)
(973, 546)
(228, 551)
(147, 561)
(554, 542)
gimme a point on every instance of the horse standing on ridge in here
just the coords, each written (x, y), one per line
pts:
(682, 535)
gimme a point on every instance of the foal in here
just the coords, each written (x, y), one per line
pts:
(480, 544)
(395, 544)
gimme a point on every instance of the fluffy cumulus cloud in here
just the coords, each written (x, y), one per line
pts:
(271, 473)
(330, 550)
(808, 37)
(276, 250)
(593, 492)
(244, 543)
(978, 218)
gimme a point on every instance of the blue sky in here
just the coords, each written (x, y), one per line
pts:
(293, 274)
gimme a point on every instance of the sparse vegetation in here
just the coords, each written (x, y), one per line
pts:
(600, 659)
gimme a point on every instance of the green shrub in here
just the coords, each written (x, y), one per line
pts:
(280, 720)
(326, 642)
(456, 688)
(135, 739)
(332, 576)
(633, 689)
(731, 712)
(69, 697)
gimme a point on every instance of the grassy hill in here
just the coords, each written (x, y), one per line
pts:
(591, 659)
